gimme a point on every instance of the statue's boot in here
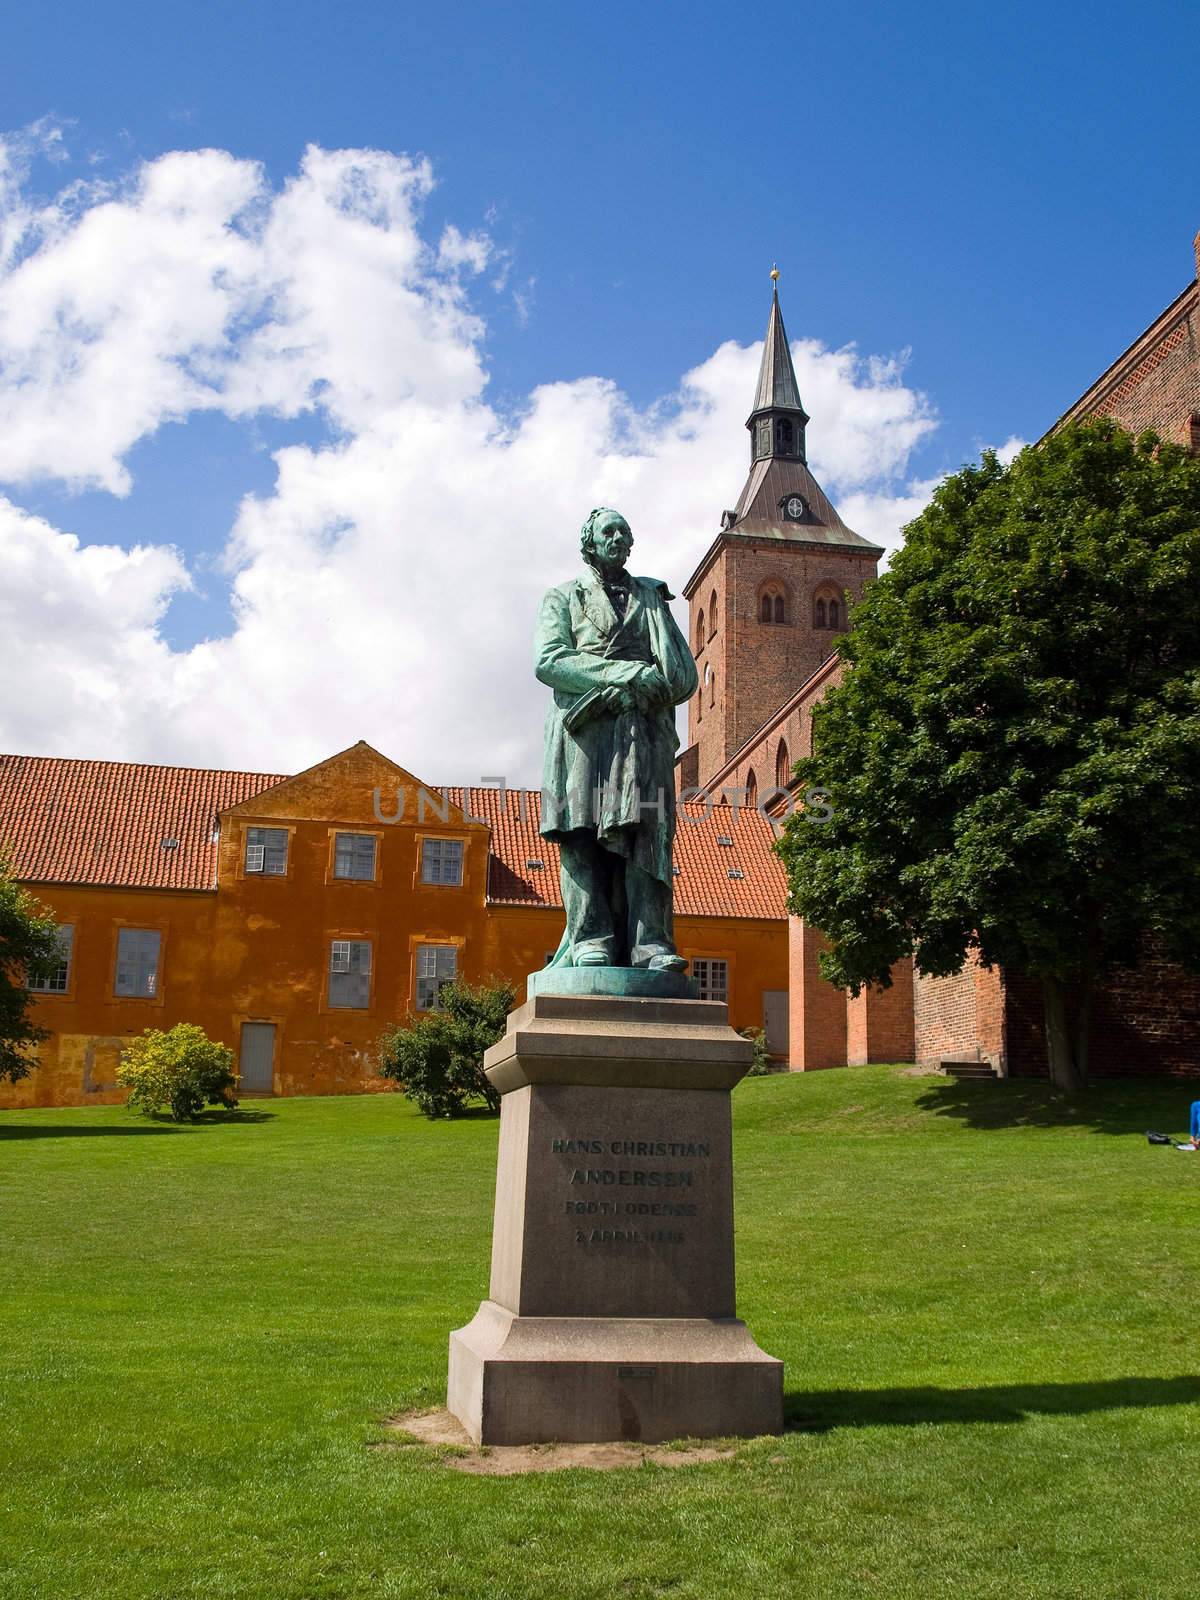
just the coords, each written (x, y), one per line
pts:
(592, 953)
(666, 961)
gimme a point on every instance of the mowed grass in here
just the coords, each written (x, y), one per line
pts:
(985, 1299)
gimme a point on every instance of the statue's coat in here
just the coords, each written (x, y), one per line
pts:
(627, 758)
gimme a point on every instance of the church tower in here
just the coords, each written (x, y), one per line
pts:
(768, 600)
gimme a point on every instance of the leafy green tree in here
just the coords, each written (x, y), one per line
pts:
(182, 1069)
(28, 948)
(1013, 760)
(437, 1058)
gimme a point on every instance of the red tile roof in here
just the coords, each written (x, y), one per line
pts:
(105, 823)
(703, 887)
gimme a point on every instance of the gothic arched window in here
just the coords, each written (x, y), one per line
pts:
(833, 613)
(772, 604)
(700, 629)
(784, 436)
(819, 618)
(712, 690)
(782, 773)
(751, 788)
(712, 613)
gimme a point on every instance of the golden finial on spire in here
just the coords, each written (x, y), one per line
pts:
(774, 273)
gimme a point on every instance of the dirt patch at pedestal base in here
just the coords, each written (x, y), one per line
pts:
(457, 1450)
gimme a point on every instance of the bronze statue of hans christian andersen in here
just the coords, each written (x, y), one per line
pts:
(611, 1309)
(618, 664)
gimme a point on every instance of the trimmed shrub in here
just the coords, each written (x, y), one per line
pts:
(762, 1063)
(183, 1069)
(437, 1059)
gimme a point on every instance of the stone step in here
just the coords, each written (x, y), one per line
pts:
(972, 1070)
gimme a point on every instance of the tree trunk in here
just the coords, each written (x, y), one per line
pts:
(1060, 1046)
(1083, 1019)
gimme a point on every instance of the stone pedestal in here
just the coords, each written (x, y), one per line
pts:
(611, 1309)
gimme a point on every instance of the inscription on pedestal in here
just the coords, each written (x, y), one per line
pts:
(631, 1219)
(624, 1201)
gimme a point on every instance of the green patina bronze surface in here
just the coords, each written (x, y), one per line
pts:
(625, 983)
(609, 648)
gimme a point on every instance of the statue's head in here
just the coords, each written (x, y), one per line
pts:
(605, 538)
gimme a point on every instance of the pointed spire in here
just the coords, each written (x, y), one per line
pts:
(777, 384)
(778, 419)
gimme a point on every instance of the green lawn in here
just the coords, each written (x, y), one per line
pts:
(986, 1301)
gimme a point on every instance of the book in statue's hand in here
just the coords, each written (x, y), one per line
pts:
(592, 704)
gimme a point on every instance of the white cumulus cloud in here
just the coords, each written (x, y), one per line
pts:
(386, 587)
(80, 647)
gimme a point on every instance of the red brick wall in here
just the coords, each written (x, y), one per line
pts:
(1156, 384)
(687, 768)
(758, 666)
(816, 1010)
(944, 1017)
(830, 1029)
(1147, 1018)
(771, 660)
(1162, 391)
(708, 714)
(760, 760)
(793, 730)
(858, 1050)
(961, 1017)
(879, 1022)
(1146, 1022)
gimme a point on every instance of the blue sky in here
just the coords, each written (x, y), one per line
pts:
(1006, 195)
(1009, 191)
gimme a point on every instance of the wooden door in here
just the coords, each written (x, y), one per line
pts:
(775, 1021)
(257, 1064)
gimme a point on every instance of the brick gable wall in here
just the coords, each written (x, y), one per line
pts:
(1156, 382)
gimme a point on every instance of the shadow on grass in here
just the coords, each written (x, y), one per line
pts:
(160, 1123)
(74, 1130)
(214, 1119)
(1113, 1106)
(892, 1408)
(467, 1114)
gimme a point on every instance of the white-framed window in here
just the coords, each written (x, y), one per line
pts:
(442, 861)
(713, 978)
(57, 979)
(436, 964)
(137, 962)
(266, 851)
(354, 855)
(350, 974)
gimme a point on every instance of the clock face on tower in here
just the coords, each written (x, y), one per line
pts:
(794, 508)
